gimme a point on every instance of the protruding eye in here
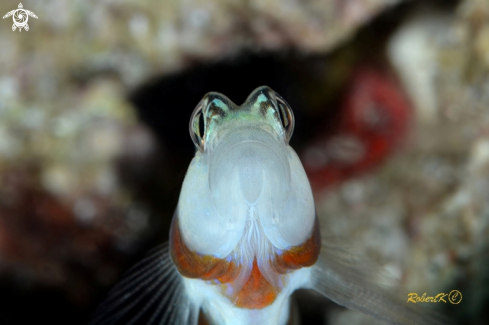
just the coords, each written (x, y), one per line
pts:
(196, 126)
(286, 117)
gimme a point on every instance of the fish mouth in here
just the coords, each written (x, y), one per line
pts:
(257, 164)
(254, 134)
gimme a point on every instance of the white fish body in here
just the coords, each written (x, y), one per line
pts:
(245, 201)
(222, 311)
(245, 234)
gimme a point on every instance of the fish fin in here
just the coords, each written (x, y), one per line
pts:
(354, 282)
(150, 293)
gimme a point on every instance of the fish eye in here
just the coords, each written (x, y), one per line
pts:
(286, 117)
(196, 126)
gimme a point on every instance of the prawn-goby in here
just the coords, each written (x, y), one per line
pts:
(245, 234)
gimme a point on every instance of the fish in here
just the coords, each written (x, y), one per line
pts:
(245, 234)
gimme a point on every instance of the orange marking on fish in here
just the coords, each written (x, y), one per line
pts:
(193, 265)
(300, 256)
(257, 293)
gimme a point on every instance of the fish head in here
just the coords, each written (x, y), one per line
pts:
(244, 171)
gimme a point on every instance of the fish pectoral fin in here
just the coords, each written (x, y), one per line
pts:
(354, 282)
(151, 292)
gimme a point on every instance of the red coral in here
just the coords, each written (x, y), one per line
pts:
(373, 119)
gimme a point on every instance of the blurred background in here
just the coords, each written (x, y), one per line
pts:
(391, 100)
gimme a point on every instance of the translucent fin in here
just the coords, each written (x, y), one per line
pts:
(353, 282)
(151, 293)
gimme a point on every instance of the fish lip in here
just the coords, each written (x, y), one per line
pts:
(222, 149)
(260, 134)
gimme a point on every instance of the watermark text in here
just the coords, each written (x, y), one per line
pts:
(454, 297)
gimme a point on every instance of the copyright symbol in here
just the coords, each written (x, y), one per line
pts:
(455, 297)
